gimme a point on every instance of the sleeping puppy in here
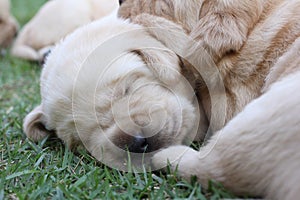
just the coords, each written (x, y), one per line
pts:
(8, 24)
(203, 27)
(54, 21)
(255, 45)
(117, 89)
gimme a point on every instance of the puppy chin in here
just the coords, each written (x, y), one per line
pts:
(101, 145)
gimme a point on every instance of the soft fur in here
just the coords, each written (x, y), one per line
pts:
(8, 24)
(54, 21)
(108, 93)
(256, 47)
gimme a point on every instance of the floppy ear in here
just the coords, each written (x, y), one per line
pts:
(172, 35)
(164, 63)
(33, 125)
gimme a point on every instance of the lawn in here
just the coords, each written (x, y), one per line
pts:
(48, 170)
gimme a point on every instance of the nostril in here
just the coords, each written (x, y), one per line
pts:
(138, 145)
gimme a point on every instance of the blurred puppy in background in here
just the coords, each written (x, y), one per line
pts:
(8, 24)
(54, 21)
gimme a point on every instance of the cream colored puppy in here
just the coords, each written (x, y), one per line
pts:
(54, 21)
(8, 24)
(84, 105)
(117, 89)
(255, 46)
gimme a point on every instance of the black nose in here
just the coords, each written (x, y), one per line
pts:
(121, 1)
(139, 145)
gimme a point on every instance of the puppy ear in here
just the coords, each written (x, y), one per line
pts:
(164, 63)
(33, 125)
(172, 35)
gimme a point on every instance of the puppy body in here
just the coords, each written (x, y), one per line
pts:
(107, 93)
(54, 21)
(256, 153)
(8, 24)
(256, 49)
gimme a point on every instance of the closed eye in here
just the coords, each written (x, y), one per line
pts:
(127, 89)
(129, 82)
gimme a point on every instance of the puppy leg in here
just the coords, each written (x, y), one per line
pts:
(257, 153)
(224, 25)
(25, 52)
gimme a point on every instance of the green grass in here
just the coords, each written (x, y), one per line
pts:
(48, 170)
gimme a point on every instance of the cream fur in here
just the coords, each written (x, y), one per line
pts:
(256, 151)
(8, 24)
(55, 20)
(242, 47)
(107, 90)
(255, 46)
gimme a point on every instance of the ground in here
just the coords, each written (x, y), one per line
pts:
(48, 170)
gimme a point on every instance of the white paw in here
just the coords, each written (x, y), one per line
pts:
(181, 158)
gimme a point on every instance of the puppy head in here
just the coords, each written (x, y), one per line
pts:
(8, 24)
(113, 94)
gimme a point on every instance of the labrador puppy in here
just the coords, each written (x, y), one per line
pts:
(54, 21)
(8, 24)
(117, 90)
(255, 46)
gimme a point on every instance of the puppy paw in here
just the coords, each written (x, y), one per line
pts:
(220, 35)
(182, 159)
(24, 52)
